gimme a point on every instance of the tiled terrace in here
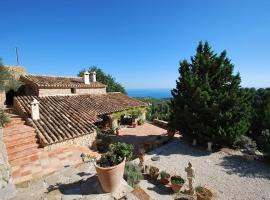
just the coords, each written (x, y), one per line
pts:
(47, 162)
(147, 133)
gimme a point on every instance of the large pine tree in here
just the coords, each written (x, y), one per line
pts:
(208, 103)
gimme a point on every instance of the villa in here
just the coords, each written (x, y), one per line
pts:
(53, 112)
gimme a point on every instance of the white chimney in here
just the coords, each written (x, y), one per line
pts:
(86, 77)
(93, 77)
(35, 109)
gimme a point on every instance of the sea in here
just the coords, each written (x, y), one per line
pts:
(155, 93)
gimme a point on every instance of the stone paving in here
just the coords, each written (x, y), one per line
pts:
(227, 173)
(146, 133)
(49, 161)
(69, 183)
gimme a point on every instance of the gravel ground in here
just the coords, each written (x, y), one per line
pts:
(230, 176)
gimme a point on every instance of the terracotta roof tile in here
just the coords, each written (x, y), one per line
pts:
(66, 117)
(59, 82)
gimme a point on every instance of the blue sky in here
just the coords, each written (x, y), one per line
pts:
(139, 42)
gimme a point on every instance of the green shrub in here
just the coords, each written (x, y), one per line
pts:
(243, 140)
(177, 180)
(140, 122)
(164, 174)
(116, 154)
(153, 170)
(132, 174)
(103, 142)
(122, 150)
(4, 118)
(264, 141)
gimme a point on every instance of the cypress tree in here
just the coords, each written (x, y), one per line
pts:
(208, 103)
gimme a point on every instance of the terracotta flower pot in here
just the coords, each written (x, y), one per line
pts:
(165, 181)
(176, 187)
(134, 124)
(110, 177)
(205, 195)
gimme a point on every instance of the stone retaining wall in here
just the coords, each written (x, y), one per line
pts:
(85, 140)
(4, 166)
(160, 123)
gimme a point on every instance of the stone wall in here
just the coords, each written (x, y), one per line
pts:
(7, 188)
(91, 91)
(85, 140)
(53, 92)
(16, 71)
(79, 91)
(4, 166)
(2, 98)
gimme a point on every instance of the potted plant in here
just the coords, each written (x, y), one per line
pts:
(203, 193)
(176, 183)
(110, 167)
(154, 172)
(132, 174)
(140, 121)
(164, 177)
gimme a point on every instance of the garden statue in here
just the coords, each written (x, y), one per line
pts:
(190, 176)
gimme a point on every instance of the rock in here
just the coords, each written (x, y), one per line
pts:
(155, 158)
(8, 192)
(122, 191)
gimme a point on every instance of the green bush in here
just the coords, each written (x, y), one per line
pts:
(140, 122)
(116, 154)
(177, 180)
(103, 142)
(243, 140)
(132, 174)
(264, 141)
(153, 170)
(164, 174)
(4, 118)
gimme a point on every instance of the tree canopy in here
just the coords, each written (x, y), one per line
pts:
(260, 126)
(7, 81)
(107, 79)
(208, 103)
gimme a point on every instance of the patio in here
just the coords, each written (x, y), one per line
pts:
(146, 133)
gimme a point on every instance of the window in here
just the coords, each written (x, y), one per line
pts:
(73, 90)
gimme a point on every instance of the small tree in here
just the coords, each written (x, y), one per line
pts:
(107, 79)
(208, 103)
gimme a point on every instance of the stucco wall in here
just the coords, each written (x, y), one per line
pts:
(53, 92)
(2, 98)
(85, 140)
(91, 91)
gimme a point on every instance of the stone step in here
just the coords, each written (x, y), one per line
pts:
(21, 142)
(14, 123)
(17, 130)
(20, 148)
(22, 154)
(19, 136)
(17, 163)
